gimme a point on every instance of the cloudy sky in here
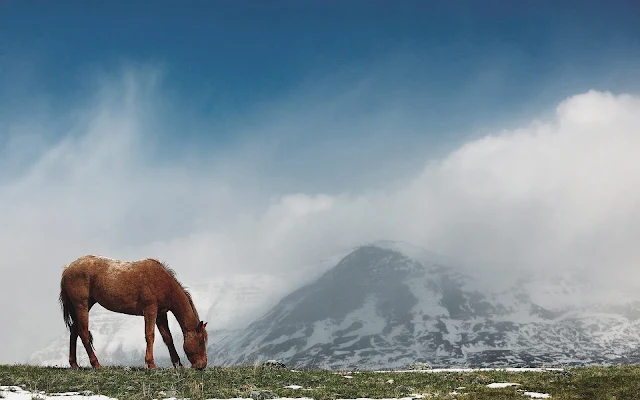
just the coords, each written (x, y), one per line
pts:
(241, 137)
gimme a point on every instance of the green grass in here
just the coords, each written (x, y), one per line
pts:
(596, 383)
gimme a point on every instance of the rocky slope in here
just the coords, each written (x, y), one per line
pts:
(386, 305)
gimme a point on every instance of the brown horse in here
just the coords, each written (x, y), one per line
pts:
(143, 287)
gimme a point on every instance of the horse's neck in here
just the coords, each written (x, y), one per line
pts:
(183, 312)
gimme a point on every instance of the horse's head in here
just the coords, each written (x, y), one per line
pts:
(195, 346)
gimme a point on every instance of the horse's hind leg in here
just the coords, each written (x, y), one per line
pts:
(82, 322)
(73, 340)
(163, 326)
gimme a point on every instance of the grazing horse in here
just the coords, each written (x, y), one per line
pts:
(143, 287)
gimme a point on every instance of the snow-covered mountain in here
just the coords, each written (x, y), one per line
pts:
(226, 303)
(389, 304)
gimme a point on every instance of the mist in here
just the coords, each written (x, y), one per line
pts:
(96, 177)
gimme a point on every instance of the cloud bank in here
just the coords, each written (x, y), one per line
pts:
(557, 193)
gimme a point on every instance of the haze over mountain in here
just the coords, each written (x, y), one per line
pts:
(389, 304)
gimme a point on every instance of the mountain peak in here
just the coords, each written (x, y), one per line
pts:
(387, 304)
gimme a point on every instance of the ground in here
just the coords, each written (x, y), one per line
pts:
(22, 382)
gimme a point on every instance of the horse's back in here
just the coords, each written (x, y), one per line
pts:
(95, 266)
(85, 264)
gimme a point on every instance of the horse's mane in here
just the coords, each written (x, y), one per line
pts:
(184, 289)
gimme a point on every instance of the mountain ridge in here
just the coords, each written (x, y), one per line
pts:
(380, 308)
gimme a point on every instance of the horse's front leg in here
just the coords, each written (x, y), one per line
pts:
(163, 327)
(150, 314)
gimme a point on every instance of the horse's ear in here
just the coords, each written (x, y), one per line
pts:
(205, 325)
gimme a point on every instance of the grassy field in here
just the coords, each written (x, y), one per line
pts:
(262, 382)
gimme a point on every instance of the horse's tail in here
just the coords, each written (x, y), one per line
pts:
(68, 311)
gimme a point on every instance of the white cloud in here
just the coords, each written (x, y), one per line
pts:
(554, 194)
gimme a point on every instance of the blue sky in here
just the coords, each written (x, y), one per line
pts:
(459, 64)
(242, 137)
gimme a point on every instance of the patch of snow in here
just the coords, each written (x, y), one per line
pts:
(428, 300)
(372, 323)
(474, 370)
(18, 393)
(500, 385)
(536, 395)
(322, 331)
